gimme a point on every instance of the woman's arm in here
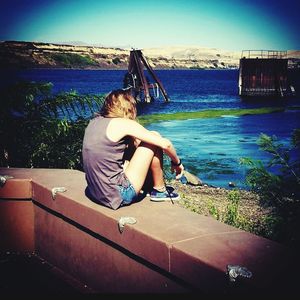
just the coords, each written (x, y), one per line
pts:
(138, 131)
(119, 127)
(123, 127)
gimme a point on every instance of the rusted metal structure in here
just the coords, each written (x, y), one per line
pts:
(263, 73)
(140, 84)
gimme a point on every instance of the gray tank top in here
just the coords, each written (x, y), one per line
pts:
(103, 163)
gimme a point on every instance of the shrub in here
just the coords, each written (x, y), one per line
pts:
(38, 129)
(280, 190)
(72, 60)
(116, 60)
(275, 189)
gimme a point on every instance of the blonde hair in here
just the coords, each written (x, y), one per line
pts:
(119, 104)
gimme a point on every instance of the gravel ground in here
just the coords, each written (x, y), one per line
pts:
(214, 201)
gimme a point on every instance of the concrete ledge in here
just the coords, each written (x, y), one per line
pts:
(16, 189)
(16, 225)
(16, 213)
(169, 249)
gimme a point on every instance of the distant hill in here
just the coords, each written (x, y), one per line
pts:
(18, 54)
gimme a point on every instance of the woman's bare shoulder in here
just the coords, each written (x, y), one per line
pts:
(119, 127)
(123, 121)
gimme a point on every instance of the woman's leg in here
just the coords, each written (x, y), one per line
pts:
(157, 170)
(146, 157)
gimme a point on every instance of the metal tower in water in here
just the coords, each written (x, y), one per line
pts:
(263, 73)
(139, 83)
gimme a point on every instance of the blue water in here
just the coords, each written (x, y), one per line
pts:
(212, 148)
(209, 148)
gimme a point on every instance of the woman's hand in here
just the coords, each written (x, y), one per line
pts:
(177, 169)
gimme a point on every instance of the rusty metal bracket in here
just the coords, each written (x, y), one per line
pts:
(125, 220)
(3, 179)
(235, 271)
(55, 190)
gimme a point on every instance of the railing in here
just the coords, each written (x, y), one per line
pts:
(264, 54)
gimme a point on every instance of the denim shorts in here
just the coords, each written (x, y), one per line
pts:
(128, 194)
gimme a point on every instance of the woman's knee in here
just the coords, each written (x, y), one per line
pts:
(148, 146)
(154, 148)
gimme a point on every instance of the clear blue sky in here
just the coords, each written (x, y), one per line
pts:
(229, 25)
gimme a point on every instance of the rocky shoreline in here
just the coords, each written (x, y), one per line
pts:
(20, 54)
(213, 202)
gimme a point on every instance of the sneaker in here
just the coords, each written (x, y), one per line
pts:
(170, 189)
(163, 196)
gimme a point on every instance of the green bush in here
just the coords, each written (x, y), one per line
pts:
(38, 129)
(213, 210)
(116, 60)
(275, 189)
(72, 60)
(231, 215)
(281, 191)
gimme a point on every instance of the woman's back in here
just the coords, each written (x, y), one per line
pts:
(102, 162)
